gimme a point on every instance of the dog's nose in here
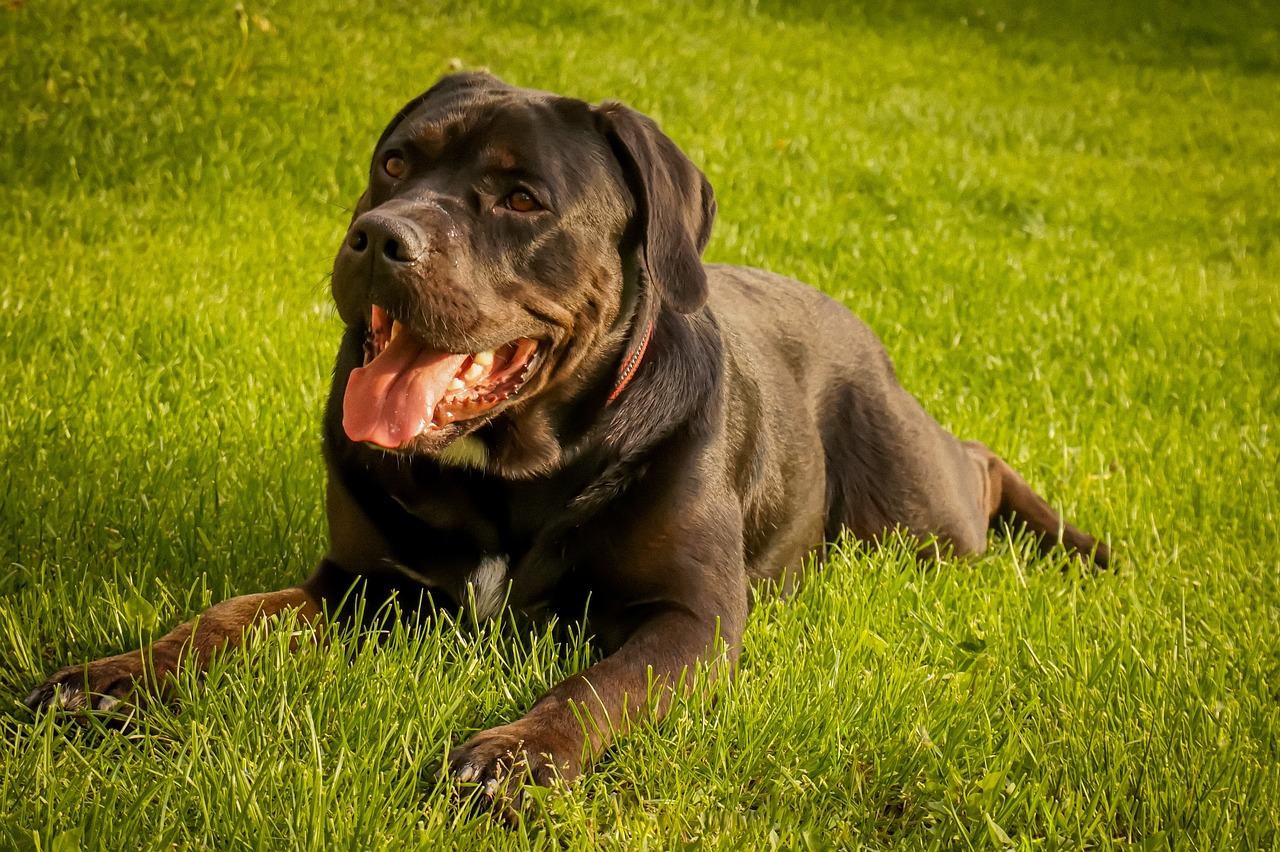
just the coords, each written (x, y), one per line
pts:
(394, 239)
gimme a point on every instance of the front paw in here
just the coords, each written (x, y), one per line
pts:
(109, 685)
(497, 764)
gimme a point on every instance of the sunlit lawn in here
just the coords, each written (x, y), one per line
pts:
(1063, 221)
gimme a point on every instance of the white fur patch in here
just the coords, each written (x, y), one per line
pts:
(487, 586)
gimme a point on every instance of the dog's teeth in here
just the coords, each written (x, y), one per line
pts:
(457, 384)
(396, 327)
(473, 372)
(484, 359)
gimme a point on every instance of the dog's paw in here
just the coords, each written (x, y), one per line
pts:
(497, 766)
(108, 686)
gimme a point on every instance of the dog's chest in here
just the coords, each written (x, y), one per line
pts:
(485, 547)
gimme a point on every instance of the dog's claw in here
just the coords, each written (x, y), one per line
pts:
(45, 697)
(497, 765)
(57, 696)
(105, 686)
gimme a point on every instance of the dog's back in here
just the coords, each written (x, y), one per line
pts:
(830, 431)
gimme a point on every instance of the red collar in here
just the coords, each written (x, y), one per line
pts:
(628, 370)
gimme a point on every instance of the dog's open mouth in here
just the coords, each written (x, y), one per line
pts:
(405, 389)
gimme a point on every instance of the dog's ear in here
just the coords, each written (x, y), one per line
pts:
(674, 205)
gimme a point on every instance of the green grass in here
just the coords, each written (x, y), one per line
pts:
(1064, 221)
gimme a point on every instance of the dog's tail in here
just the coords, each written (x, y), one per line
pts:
(1012, 502)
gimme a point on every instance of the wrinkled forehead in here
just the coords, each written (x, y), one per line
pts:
(505, 129)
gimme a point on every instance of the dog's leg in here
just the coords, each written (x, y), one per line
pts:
(113, 683)
(1010, 500)
(573, 723)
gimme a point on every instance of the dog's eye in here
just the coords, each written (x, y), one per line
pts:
(521, 202)
(394, 165)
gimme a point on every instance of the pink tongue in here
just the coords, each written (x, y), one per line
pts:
(391, 400)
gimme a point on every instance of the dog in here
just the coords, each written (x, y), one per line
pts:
(543, 398)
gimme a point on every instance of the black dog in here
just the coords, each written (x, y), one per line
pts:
(544, 396)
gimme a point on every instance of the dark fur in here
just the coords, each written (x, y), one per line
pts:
(764, 420)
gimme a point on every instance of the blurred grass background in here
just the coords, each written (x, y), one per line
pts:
(1062, 218)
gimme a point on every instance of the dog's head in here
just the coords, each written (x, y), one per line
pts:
(508, 246)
